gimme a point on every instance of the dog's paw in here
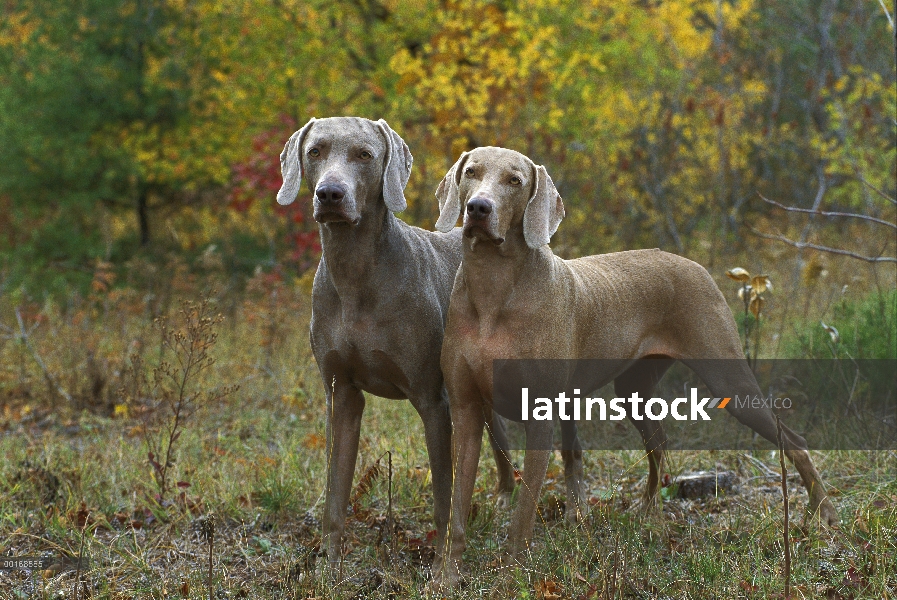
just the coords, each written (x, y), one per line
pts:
(574, 507)
(445, 578)
(575, 516)
(574, 511)
(503, 500)
(327, 572)
(823, 512)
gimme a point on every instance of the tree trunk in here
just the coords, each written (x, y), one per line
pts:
(142, 218)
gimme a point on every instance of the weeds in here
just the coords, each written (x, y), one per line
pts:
(173, 390)
(751, 294)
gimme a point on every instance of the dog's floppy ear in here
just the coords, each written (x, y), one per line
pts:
(449, 196)
(396, 170)
(544, 211)
(291, 165)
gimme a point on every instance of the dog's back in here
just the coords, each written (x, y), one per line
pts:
(652, 295)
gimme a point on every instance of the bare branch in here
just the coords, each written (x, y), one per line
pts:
(23, 336)
(802, 245)
(887, 14)
(829, 214)
(880, 193)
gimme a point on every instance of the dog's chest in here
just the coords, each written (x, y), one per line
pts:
(359, 348)
(478, 347)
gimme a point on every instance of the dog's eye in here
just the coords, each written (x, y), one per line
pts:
(515, 180)
(366, 155)
(314, 152)
(469, 171)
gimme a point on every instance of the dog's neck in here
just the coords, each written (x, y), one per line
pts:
(351, 252)
(492, 272)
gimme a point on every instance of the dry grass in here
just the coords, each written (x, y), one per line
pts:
(255, 461)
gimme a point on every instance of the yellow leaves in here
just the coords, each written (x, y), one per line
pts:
(755, 87)
(751, 290)
(17, 29)
(737, 14)
(756, 305)
(84, 24)
(675, 24)
(478, 70)
(761, 283)
(739, 274)
(305, 282)
(554, 118)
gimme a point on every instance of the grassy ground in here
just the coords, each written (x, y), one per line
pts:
(260, 473)
(248, 474)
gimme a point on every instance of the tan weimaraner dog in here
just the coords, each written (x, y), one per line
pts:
(379, 301)
(513, 298)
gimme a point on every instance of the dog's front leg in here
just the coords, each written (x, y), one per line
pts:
(434, 412)
(535, 465)
(345, 405)
(467, 435)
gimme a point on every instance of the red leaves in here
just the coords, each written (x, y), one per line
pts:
(136, 520)
(81, 517)
(364, 486)
(548, 590)
(258, 178)
(314, 441)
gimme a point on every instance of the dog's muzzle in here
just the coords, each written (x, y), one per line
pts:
(330, 204)
(480, 220)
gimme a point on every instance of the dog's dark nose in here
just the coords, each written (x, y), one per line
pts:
(478, 208)
(330, 193)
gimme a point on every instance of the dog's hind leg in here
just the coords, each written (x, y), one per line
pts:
(535, 465)
(571, 452)
(641, 378)
(498, 439)
(726, 378)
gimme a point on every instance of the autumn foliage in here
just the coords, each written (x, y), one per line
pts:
(161, 122)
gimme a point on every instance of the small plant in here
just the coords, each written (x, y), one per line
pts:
(173, 390)
(207, 531)
(751, 294)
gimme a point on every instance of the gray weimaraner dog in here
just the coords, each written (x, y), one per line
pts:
(513, 298)
(379, 301)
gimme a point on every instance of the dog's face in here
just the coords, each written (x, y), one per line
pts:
(500, 191)
(343, 160)
(350, 164)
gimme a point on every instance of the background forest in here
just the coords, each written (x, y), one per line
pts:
(139, 144)
(133, 128)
